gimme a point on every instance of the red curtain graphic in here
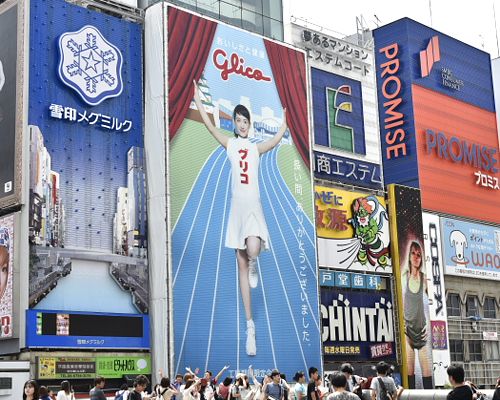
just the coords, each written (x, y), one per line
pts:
(189, 40)
(289, 72)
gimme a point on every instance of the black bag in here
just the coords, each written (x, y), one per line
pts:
(384, 394)
(358, 392)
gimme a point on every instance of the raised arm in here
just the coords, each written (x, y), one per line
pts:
(222, 370)
(223, 140)
(270, 144)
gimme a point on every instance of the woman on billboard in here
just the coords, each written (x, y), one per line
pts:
(416, 306)
(247, 231)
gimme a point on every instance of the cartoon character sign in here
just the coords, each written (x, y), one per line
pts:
(368, 223)
(360, 241)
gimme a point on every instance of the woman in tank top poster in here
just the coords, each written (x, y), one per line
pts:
(247, 231)
(416, 316)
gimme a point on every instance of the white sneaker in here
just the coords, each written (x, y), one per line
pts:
(253, 275)
(251, 346)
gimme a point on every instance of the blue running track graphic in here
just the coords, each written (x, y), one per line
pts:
(210, 324)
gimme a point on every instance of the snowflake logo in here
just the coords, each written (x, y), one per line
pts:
(90, 65)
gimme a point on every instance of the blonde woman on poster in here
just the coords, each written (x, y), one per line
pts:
(247, 231)
(416, 312)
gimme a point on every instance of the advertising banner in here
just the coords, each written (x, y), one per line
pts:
(357, 326)
(349, 280)
(89, 367)
(437, 119)
(434, 266)
(85, 330)
(116, 367)
(344, 108)
(243, 241)
(11, 100)
(6, 275)
(88, 228)
(353, 231)
(471, 250)
(412, 285)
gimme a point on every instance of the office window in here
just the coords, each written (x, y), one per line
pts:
(261, 16)
(472, 306)
(475, 350)
(490, 310)
(492, 351)
(456, 350)
(453, 305)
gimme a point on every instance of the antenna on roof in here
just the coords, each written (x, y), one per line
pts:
(377, 22)
(496, 28)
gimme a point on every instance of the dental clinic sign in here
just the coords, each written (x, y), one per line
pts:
(90, 64)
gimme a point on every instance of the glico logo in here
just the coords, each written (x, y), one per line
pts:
(90, 65)
(236, 66)
(429, 56)
(338, 130)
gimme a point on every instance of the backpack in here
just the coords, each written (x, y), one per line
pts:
(358, 392)
(119, 395)
(384, 394)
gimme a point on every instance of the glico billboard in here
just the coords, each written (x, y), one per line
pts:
(437, 119)
(243, 239)
(87, 219)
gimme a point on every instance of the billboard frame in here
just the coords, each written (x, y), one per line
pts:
(15, 198)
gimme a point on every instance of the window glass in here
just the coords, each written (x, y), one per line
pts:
(472, 306)
(492, 353)
(453, 305)
(273, 9)
(252, 5)
(230, 13)
(475, 350)
(252, 22)
(273, 28)
(456, 350)
(489, 308)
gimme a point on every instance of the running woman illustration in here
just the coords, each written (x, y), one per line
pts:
(247, 231)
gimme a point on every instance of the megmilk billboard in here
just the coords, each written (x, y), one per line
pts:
(243, 198)
(87, 177)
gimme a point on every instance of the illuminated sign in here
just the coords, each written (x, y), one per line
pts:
(352, 230)
(237, 67)
(461, 151)
(349, 170)
(349, 279)
(335, 53)
(429, 56)
(471, 249)
(391, 88)
(338, 111)
(90, 65)
(356, 320)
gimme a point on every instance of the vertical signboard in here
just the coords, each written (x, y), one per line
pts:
(434, 264)
(6, 275)
(412, 285)
(353, 231)
(87, 175)
(243, 241)
(11, 109)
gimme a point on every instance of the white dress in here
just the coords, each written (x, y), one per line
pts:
(246, 216)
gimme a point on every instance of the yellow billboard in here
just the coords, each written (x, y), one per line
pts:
(353, 230)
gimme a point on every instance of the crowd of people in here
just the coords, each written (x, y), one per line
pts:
(341, 385)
